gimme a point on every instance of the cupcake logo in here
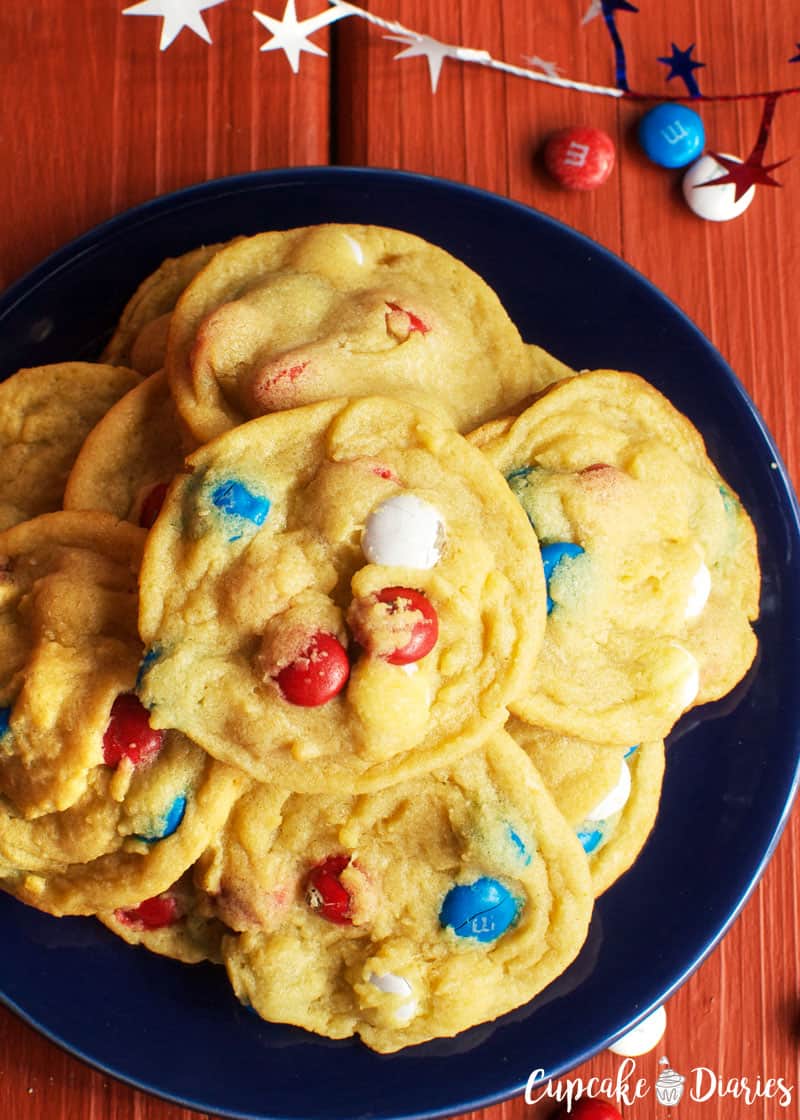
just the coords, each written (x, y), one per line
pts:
(669, 1086)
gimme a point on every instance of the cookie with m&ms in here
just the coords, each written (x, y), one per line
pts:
(610, 795)
(544, 370)
(140, 337)
(152, 805)
(403, 915)
(338, 596)
(68, 648)
(577, 774)
(177, 922)
(290, 317)
(650, 559)
(615, 830)
(130, 457)
(46, 412)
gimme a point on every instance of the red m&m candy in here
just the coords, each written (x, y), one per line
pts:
(153, 913)
(401, 322)
(595, 468)
(589, 1109)
(318, 674)
(151, 505)
(325, 893)
(398, 624)
(424, 630)
(129, 734)
(580, 158)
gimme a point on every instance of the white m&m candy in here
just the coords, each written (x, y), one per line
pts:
(699, 592)
(687, 676)
(715, 204)
(397, 986)
(616, 800)
(644, 1038)
(403, 532)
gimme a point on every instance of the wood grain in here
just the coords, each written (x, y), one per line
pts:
(95, 119)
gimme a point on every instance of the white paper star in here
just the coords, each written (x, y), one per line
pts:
(430, 49)
(290, 35)
(595, 8)
(176, 14)
(540, 64)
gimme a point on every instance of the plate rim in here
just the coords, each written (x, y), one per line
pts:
(194, 194)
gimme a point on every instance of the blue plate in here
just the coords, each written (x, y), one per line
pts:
(732, 767)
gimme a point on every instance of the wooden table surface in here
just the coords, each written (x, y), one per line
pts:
(95, 119)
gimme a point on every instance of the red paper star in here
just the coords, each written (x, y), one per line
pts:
(744, 175)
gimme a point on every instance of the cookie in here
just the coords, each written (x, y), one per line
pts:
(651, 561)
(68, 647)
(128, 459)
(286, 318)
(403, 915)
(338, 596)
(176, 923)
(151, 807)
(577, 774)
(140, 338)
(610, 795)
(45, 414)
(615, 831)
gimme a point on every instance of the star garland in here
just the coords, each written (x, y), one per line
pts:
(608, 8)
(681, 65)
(176, 15)
(292, 36)
(746, 175)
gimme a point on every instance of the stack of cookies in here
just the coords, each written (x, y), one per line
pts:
(341, 631)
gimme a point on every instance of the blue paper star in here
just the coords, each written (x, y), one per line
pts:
(797, 56)
(681, 65)
(610, 6)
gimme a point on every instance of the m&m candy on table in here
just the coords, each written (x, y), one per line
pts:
(714, 203)
(644, 1037)
(672, 135)
(484, 909)
(590, 1108)
(318, 674)
(580, 158)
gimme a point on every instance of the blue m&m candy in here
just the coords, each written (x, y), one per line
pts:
(552, 555)
(166, 825)
(234, 499)
(519, 846)
(672, 135)
(589, 837)
(483, 909)
(5, 716)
